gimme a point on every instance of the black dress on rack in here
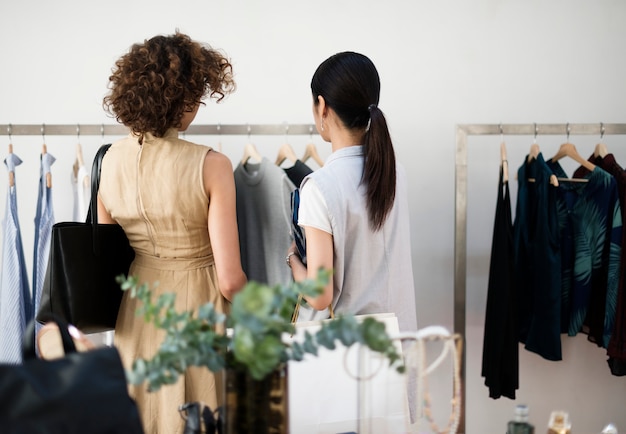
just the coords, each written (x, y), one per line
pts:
(500, 365)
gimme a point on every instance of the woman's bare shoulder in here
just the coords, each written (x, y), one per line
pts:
(217, 161)
(217, 171)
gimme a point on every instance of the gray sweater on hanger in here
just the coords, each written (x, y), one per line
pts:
(264, 220)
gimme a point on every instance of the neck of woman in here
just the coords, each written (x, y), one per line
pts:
(343, 138)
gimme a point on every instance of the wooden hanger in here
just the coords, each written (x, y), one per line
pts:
(78, 162)
(249, 151)
(311, 152)
(567, 149)
(600, 150)
(532, 155)
(44, 148)
(44, 151)
(11, 173)
(504, 162)
(553, 180)
(534, 148)
(285, 153)
(79, 154)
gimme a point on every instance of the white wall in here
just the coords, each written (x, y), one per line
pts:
(442, 63)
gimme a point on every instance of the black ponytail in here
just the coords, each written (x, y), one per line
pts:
(379, 172)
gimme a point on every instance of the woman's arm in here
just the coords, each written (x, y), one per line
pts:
(103, 215)
(319, 254)
(219, 183)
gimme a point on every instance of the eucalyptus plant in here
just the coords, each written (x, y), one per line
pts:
(250, 338)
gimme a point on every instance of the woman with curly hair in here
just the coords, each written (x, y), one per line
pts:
(174, 199)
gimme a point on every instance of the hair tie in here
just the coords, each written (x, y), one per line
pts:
(371, 107)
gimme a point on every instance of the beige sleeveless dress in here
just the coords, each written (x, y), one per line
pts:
(155, 191)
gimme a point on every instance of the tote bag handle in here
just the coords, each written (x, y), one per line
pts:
(92, 214)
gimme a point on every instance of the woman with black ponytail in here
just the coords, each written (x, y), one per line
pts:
(354, 210)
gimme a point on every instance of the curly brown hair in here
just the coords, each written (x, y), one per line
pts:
(156, 82)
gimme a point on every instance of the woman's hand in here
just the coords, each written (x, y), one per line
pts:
(298, 269)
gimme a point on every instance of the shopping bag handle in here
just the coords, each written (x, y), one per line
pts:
(29, 338)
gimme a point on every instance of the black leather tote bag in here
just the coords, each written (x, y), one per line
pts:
(85, 259)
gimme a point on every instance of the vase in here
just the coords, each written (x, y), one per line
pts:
(256, 406)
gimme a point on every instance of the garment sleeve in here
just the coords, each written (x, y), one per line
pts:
(313, 211)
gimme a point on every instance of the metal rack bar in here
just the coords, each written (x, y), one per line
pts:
(116, 129)
(542, 129)
(460, 230)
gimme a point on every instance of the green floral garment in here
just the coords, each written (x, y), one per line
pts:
(590, 225)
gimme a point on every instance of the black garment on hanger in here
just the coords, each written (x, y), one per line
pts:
(500, 364)
(538, 260)
(297, 172)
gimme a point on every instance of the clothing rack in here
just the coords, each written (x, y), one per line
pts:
(117, 129)
(460, 224)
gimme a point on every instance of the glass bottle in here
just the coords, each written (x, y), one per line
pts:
(559, 423)
(520, 424)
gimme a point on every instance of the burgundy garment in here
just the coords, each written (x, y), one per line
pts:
(617, 345)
